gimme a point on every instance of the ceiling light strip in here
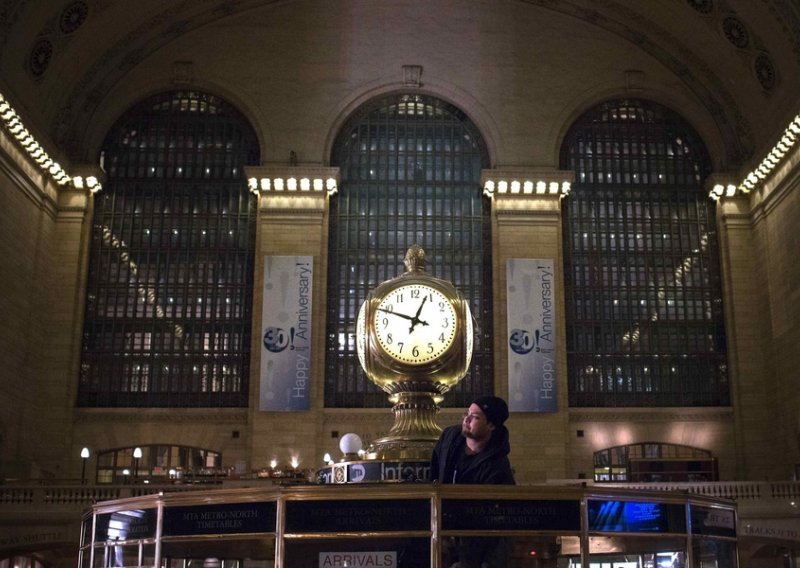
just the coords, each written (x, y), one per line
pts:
(12, 122)
(526, 187)
(280, 184)
(787, 142)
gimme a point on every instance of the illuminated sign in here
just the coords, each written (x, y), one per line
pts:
(635, 516)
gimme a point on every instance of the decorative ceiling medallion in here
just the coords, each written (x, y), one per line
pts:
(73, 16)
(765, 72)
(702, 6)
(40, 57)
(736, 32)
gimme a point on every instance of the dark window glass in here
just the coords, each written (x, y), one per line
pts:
(643, 294)
(410, 173)
(170, 285)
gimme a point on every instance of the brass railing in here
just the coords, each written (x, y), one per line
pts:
(43, 496)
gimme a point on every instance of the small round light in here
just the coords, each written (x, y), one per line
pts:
(350, 444)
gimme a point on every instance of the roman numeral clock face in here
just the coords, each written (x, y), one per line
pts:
(415, 324)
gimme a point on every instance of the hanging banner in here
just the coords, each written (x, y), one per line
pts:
(532, 384)
(286, 333)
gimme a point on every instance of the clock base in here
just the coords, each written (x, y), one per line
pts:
(375, 471)
(415, 430)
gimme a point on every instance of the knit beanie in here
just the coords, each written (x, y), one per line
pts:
(494, 407)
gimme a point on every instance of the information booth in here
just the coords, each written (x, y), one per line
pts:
(410, 525)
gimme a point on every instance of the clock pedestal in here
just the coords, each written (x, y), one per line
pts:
(415, 430)
(414, 340)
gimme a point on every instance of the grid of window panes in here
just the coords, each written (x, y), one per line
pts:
(169, 292)
(410, 173)
(643, 294)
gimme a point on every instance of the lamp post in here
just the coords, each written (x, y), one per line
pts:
(137, 455)
(84, 457)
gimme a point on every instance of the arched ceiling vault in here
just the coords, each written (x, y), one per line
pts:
(115, 37)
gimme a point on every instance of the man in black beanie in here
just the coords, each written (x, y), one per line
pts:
(476, 452)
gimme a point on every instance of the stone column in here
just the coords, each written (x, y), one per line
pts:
(60, 345)
(292, 221)
(526, 218)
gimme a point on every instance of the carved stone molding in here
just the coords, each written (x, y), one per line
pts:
(412, 76)
(181, 415)
(359, 418)
(182, 72)
(652, 415)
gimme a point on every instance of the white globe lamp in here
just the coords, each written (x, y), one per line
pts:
(350, 444)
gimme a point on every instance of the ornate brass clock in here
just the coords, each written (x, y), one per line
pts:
(414, 340)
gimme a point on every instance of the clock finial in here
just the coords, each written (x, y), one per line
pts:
(415, 259)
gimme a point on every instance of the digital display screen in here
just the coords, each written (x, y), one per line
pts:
(636, 516)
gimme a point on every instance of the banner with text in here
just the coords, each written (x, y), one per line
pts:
(532, 384)
(286, 333)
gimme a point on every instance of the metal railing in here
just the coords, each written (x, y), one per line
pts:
(43, 496)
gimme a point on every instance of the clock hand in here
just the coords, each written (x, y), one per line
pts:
(415, 320)
(419, 311)
(398, 314)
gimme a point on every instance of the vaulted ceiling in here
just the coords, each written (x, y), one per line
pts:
(65, 63)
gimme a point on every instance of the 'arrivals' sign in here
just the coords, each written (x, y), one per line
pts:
(375, 559)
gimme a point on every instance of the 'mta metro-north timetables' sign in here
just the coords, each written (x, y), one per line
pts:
(224, 518)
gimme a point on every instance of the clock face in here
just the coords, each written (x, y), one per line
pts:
(415, 324)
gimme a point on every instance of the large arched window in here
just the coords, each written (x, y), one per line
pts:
(410, 173)
(169, 292)
(643, 295)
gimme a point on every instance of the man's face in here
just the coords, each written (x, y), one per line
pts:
(475, 425)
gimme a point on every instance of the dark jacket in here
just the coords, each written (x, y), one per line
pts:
(490, 466)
